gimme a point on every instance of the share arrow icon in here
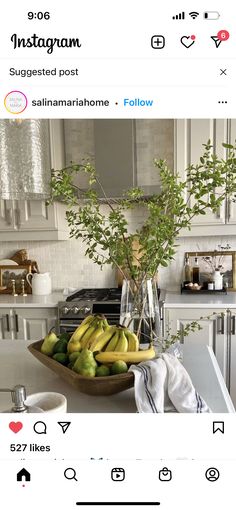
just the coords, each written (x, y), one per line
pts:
(216, 40)
(64, 425)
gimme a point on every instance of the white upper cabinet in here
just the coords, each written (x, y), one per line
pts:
(231, 206)
(33, 219)
(190, 135)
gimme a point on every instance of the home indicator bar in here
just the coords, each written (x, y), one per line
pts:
(123, 503)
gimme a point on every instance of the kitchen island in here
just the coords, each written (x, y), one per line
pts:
(18, 366)
(216, 315)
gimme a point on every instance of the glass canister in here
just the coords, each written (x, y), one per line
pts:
(140, 309)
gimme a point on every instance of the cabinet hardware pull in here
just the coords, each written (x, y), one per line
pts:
(18, 217)
(230, 328)
(17, 323)
(162, 318)
(233, 325)
(70, 325)
(9, 216)
(229, 208)
(8, 322)
(161, 310)
(181, 333)
(220, 324)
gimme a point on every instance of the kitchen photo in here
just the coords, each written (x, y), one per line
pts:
(118, 265)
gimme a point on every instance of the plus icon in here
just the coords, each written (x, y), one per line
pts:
(158, 42)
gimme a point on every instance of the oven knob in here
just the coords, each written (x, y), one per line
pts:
(75, 310)
(85, 310)
(65, 310)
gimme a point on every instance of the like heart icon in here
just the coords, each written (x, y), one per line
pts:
(15, 426)
(188, 40)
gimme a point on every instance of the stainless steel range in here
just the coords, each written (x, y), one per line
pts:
(83, 302)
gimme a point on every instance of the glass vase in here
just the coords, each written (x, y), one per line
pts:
(140, 310)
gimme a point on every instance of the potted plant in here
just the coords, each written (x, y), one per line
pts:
(105, 230)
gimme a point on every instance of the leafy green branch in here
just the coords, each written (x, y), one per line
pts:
(107, 236)
(106, 232)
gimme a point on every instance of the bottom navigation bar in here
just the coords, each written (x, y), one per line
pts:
(37, 484)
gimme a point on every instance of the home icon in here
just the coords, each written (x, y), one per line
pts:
(23, 475)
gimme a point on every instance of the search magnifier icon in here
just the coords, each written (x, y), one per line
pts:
(70, 474)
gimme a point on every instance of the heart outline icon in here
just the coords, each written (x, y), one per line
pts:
(15, 426)
(187, 44)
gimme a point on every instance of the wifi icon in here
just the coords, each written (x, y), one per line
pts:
(194, 14)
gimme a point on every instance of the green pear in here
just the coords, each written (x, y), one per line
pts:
(88, 357)
(88, 371)
(49, 341)
(85, 364)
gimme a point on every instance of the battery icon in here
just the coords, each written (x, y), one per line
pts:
(211, 15)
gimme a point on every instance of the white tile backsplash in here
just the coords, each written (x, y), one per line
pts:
(69, 267)
(65, 261)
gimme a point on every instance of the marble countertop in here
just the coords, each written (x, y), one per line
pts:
(171, 299)
(30, 301)
(18, 366)
(178, 300)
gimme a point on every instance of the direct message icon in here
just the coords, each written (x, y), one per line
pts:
(64, 425)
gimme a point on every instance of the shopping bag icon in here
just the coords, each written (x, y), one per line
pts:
(165, 475)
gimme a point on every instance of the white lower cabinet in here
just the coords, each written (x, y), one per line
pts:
(5, 331)
(26, 323)
(218, 331)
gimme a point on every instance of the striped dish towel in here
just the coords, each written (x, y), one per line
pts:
(163, 385)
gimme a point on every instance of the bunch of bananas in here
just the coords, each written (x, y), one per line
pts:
(88, 331)
(110, 343)
(119, 344)
(116, 338)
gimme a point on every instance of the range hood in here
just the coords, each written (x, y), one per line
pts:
(116, 158)
(24, 159)
(117, 161)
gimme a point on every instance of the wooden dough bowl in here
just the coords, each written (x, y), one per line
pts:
(90, 385)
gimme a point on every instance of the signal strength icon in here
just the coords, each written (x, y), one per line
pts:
(181, 15)
(194, 14)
